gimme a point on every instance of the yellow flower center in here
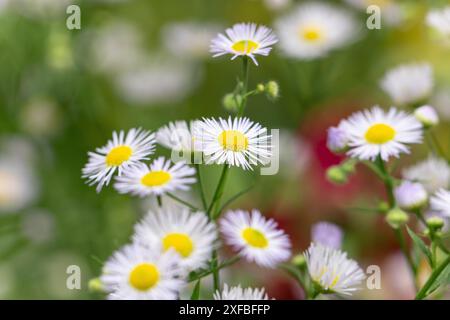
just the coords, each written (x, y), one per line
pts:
(182, 243)
(233, 140)
(156, 178)
(118, 155)
(380, 133)
(245, 46)
(311, 34)
(144, 276)
(255, 238)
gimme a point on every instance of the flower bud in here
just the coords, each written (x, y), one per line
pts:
(337, 140)
(336, 175)
(299, 260)
(231, 102)
(260, 88)
(435, 223)
(272, 90)
(396, 217)
(410, 195)
(95, 285)
(427, 115)
(383, 206)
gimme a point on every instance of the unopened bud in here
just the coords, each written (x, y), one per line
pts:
(336, 175)
(299, 260)
(427, 115)
(396, 218)
(95, 285)
(260, 88)
(231, 102)
(272, 90)
(435, 223)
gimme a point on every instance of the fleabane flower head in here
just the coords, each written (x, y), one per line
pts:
(178, 136)
(427, 115)
(244, 39)
(136, 272)
(337, 139)
(314, 29)
(433, 173)
(256, 238)
(332, 271)
(410, 195)
(374, 133)
(158, 178)
(327, 234)
(238, 293)
(235, 142)
(440, 202)
(440, 20)
(122, 152)
(409, 83)
(191, 235)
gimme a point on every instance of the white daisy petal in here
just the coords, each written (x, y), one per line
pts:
(440, 202)
(122, 152)
(244, 39)
(237, 293)
(332, 270)
(256, 238)
(178, 136)
(137, 272)
(191, 235)
(373, 133)
(433, 173)
(158, 178)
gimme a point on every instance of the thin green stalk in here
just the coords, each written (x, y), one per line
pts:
(183, 202)
(219, 192)
(159, 200)
(225, 264)
(200, 185)
(216, 273)
(423, 292)
(245, 66)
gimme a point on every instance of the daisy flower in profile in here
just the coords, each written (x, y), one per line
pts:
(237, 293)
(137, 272)
(236, 142)
(410, 195)
(244, 39)
(433, 173)
(191, 235)
(374, 133)
(178, 136)
(440, 20)
(328, 234)
(314, 29)
(120, 153)
(158, 178)
(409, 83)
(440, 202)
(256, 238)
(332, 271)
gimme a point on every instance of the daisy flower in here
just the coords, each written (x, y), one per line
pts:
(440, 202)
(374, 133)
(313, 29)
(237, 293)
(256, 238)
(244, 39)
(410, 195)
(440, 20)
(136, 272)
(158, 178)
(433, 173)
(236, 142)
(409, 83)
(327, 234)
(178, 136)
(332, 270)
(122, 152)
(191, 235)
(427, 115)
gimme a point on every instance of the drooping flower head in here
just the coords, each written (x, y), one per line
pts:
(327, 234)
(410, 195)
(244, 39)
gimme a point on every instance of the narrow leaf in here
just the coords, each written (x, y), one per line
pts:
(418, 243)
(196, 293)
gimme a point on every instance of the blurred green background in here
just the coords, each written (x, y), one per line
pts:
(63, 92)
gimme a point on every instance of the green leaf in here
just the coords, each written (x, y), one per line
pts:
(196, 293)
(443, 280)
(418, 243)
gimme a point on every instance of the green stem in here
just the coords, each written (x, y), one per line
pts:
(218, 193)
(216, 273)
(183, 202)
(423, 292)
(159, 200)
(200, 186)
(245, 66)
(225, 264)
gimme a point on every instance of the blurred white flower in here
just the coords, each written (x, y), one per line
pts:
(408, 83)
(410, 195)
(314, 29)
(277, 4)
(38, 226)
(42, 8)
(18, 184)
(295, 154)
(189, 39)
(41, 117)
(237, 293)
(433, 173)
(337, 139)
(427, 115)
(178, 136)
(440, 202)
(161, 81)
(327, 234)
(116, 47)
(391, 11)
(439, 19)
